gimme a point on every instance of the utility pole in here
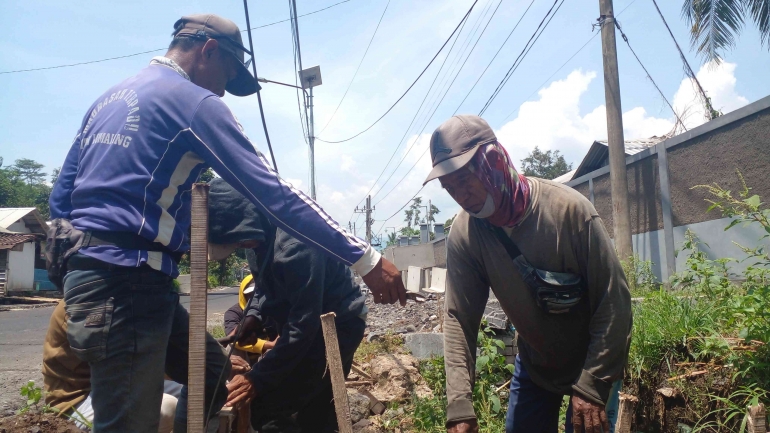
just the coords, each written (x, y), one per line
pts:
(310, 78)
(621, 214)
(368, 211)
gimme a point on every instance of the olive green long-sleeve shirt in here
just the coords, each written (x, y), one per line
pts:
(584, 350)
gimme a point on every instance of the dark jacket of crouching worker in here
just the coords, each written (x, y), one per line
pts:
(289, 385)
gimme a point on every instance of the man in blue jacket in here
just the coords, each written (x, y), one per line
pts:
(126, 183)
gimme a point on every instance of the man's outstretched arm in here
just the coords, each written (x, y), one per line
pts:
(216, 136)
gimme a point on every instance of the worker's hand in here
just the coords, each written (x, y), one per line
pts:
(470, 426)
(385, 283)
(588, 417)
(251, 327)
(240, 391)
(240, 365)
(269, 345)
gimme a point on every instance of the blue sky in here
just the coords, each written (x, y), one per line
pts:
(40, 111)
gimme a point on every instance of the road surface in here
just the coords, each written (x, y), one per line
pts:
(22, 333)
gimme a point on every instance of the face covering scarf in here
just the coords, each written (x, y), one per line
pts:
(507, 190)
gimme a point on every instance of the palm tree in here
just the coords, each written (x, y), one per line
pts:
(715, 24)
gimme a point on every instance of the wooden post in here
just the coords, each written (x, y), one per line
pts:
(757, 418)
(625, 413)
(196, 374)
(621, 214)
(334, 360)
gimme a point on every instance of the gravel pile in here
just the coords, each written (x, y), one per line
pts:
(422, 315)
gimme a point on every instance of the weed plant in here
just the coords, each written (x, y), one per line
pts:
(712, 320)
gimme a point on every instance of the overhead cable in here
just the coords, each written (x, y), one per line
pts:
(397, 212)
(625, 38)
(437, 106)
(161, 49)
(357, 68)
(527, 47)
(563, 65)
(494, 57)
(414, 118)
(410, 86)
(687, 69)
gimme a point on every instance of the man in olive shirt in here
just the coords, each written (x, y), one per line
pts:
(574, 321)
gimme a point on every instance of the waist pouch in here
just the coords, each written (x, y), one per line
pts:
(554, 292)
(63, 240)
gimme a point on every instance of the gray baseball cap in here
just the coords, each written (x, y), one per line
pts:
(455, 141)
(210, 26)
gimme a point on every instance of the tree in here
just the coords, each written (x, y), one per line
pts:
(715, 24)
(392, 239)
(55, 175)
(430, 219)
(448, 224)
(546, 165)
(412, 215)
(29, 170)
(207, 175)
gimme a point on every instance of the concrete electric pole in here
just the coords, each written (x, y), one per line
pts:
(310, 78)
(621, 214)
(368, 211)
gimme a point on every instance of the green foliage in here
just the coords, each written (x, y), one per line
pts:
(207, 176)
(388, 343)
(639, 275)
(492, 371)
(718, 320)
(217, 331)
(448, 223)
(545, 165)
(715, 24)
(23, 185)
(32, 393)
(221, 273)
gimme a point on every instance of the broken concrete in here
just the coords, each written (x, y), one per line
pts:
(425, 345)
(359, 405)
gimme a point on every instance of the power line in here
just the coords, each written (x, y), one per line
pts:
(527, 47)
(625, 38)
(357, 69)
(687, 69)
(404, 176)
(160, 49)
(406, 132)
(470, 36)
(410, 87)
(494, 57)
(402, 208)
(564, 64)
(414, 118)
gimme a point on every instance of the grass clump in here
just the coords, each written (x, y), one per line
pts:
(386, 343)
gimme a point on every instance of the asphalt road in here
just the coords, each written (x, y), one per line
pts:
(22, 333)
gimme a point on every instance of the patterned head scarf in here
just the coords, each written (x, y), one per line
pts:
(509, 190)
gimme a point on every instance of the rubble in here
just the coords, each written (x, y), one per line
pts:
(398, 377)
(359, 406)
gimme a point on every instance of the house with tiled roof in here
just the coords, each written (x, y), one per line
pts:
(22, 266)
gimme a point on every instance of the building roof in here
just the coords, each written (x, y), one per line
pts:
(566, 177)
(10, 240)
(30, 215)
(598, 154)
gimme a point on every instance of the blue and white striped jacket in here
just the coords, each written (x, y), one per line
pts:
(141, 146)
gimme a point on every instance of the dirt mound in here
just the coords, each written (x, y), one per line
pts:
(37, 423)
(398, 377)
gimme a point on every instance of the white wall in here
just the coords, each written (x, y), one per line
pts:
(715, 242)
(21, 264)
(21, 268)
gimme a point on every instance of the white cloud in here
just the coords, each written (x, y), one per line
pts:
(296, 183)
(347, 163)
(718, 81)
(554, 120)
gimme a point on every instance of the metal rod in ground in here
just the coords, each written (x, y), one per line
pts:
(198, 288)
(334, 360)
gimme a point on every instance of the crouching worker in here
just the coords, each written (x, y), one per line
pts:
(257, 343)
(297, 286)
(544, 251)
(67, 379)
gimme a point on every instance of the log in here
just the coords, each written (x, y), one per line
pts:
(626, 405)
(198, 292)
(361, 372)
(757, 418)
(334, 360)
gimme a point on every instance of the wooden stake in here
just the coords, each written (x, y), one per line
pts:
(757, 419)
(334, 360)
(625, 413)
(196, 373)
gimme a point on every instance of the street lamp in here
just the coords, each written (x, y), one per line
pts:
(310, 78)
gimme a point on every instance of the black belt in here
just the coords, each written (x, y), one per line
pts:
(127, 241)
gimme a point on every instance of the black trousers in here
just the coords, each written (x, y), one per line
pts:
(308, 390)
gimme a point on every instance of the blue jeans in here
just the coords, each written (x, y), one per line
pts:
(533, 409)
(127, 323)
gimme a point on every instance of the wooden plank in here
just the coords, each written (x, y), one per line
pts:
(626, 405)
(334, 360)
(757, 418)
(198, 291)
